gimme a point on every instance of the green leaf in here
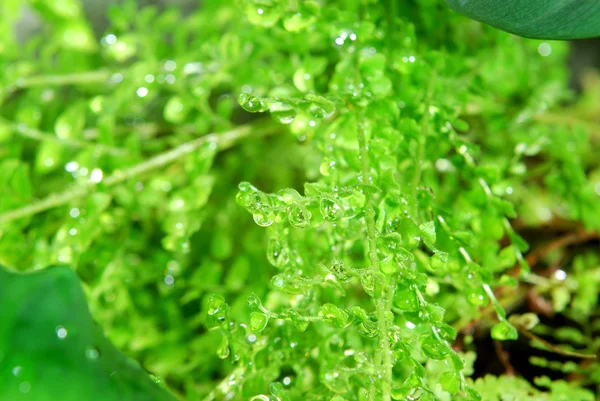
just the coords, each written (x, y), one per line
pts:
(542, 19)
(428, 234)
(49, 343)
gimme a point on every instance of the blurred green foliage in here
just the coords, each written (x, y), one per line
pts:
(393, 152)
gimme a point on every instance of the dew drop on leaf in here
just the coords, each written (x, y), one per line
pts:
(438, 260)
(283, 113)
(504, 331)
(368, 283)
(297, 320)
(330, 209)
(299, 216)
(338, 317)
(335, 381)
(260, 397)
(278, 253)
(388, 265)
(251, 103)
(406, 300)
(223, 350)
(263, 219)
(477, 297)
(217, 312)
(258, 321)
(302, 18)
(91, 353)
(265, 13)
(253, 302)
(433, 348)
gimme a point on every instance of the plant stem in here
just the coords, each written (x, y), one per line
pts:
(384, 357)
(88, 77)
(553, 347)
(222, 141)
(33, 133)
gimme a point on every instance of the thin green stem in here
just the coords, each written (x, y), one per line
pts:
(384, 355)
(222, 141)
(422, 137)
(88, 77)
(34, 133)
(419, 160)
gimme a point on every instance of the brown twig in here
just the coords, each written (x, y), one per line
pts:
(504, 358)
(577, 237)
(553, 347)
(539, 304)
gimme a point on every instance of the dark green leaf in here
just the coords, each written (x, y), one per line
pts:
(50, 348)
(542, 19)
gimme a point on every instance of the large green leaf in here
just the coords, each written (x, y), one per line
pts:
(542, 19)
(51, 349)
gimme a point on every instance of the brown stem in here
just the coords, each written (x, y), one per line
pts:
(504, 358)
(577, 237)
(553, 347)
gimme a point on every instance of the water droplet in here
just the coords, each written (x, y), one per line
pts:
(297, 320)
(335, 381)
(299, 216)
(142, 91)
(260, 397)
(326, 167)
(330, 209)
(339, 317)
(278, 253)
(169, 280)
(278, 281)
(258, 321)
(320, 107)
(477, 297)
(25, 387)
(223, 350)
(120, 48)
(367, 281)
(251, 103)
(504, 331)
(217, 312)
(304, 17)
(438, 260)
(265, 13)
(253, 302)
(61, 332)
(406, 300)
(282, 112)
(263, 219)
(388, 265)
(91, 353)
(433, 348)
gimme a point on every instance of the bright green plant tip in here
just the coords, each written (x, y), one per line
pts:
(542, 19)
(51, 349)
